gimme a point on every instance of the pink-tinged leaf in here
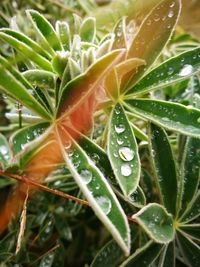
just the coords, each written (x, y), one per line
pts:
(153, 34)
(111, 85)
(78, 90)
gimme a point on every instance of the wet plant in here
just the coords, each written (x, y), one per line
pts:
(109, 120)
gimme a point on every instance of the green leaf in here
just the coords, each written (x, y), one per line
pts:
(63, 30)
(88, 30)
(168, 256)
(23, 136)
(139, 133)
(17, 90)
(109, 256)
(190, 171)
(164, 165)
(41, 78)
(137, 198)
(156, 222)
(191, 230)
(5, 155)
(26, 51)
(143, 256)
(98, 192)
(190, 251)
(86, 83)
(22, 38)
(123, 151)
(171, 71)
(153, 34)
(45, 30)
(120, 34)
(193, 210)
(169, 115)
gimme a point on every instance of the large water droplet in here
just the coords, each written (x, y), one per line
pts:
(186, 70)
(86, 176)
(119, 128)
(126, 170)
(126, 153)
(105, 203)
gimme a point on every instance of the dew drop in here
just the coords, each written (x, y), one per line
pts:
(119, 128)
(3, 150)
(126, 170)
(105, 203)
(126, 153)
(171, 14)
(186, 70)
(86, 176)
(120, 141)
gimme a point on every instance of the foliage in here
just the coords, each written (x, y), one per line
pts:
(113, 120)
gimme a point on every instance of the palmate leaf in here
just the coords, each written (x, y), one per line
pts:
(153, 35)
(97, 191)
(123, 151)
(77, 90)
(45, 30)
(5, 154)
(17, 90)
(144, 256)
(156, 222)
(26, 51)
(191, 230)
(190, 250)
(169, 115)
(190, 171)
(169, 72)
(164, 165)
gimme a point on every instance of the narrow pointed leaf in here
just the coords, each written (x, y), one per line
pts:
(41, 78)
(45, 29)
(63, 30)
(192, 230)
(139, 133)
(164, 165)
(144, 256)
(109, 255)
(154, 33)
(171, 116)
(120, 34)
(5, 154)
(26, 51)
(137, 198)
(190, 251)
(26, 135)
(88, 30)
(99, 194)
(86, 83)
(156, 222)
(190, 171)
(168, 256)
(171, 71)
(27, 41)
(111, 85)
(17, 90)
(193, 210)
(123, 151)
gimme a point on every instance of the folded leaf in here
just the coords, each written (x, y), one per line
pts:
(169, 115)
(171, 71)
(17, 90)
(45, 30)
(97, 191)
(143, 256)
(123, 151)
(153, 34)
(26, 51)
(156, 222)
(190, 251)
(164, 165)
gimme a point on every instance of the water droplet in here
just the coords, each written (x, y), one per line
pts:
(172, 4)
(126, 170)
(3, 150)
(120, 141)
(126, 153)
(171, 14)
(186, 70)
(67, 144)
(105, 203)
(86, 176)
(119, 128)
(166, 119)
